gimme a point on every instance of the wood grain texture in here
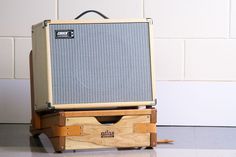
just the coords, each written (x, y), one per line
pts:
(108, 113)
(96, 135)
(145, 128)
(154, 116)
(50, 121)
(153, 139)
(58, 143)
(35, 118)
(99, 129)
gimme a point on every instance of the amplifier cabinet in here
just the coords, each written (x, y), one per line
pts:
(81, 64)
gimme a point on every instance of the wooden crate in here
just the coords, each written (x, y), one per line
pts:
(72, 130)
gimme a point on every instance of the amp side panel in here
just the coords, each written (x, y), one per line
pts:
(101, 63)
(39, 52)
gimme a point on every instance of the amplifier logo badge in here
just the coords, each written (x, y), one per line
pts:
(64, 34)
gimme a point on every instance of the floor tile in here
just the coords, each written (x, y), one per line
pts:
(16, 141)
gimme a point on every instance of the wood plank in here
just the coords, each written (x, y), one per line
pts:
(154, 116)
(58, 120)
(126, 140)
(153, 139)
(107, 113)
(96, 135)
(145, 128)
(58, 143)
(109, 105)
(66, 130)
(35, 118)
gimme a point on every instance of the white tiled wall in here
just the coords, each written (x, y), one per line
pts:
(196, 103)
(6, 57)
(170, 53)
(69, 9)
(14, 101)
(210, 59)
(194, 41)
(189, 18)
(17, 16)
(22, 50)
(233, 19)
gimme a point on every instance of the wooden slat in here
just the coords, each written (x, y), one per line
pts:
(35, 116)
(66, 131)
(153, 116)
(153, 139)
(145, 128)
(107, 113)
(96, 135)
(49, 121)
(108, 105)
(58, 143)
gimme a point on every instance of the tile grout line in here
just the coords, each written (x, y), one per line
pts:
(14, 58)
(143, 8)
(185, 38)
(174, 38)
(230, 9)
(184, 64)
(15, 36)
(57, 9)
(192, 80)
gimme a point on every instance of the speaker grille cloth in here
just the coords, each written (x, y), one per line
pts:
(102, 63)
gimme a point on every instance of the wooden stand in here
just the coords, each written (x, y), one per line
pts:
(71, 130)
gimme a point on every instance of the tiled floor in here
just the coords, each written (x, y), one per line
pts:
(15, 141)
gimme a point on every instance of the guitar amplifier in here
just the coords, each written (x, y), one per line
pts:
(82, 64)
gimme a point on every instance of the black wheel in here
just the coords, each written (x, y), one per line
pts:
(35, 135)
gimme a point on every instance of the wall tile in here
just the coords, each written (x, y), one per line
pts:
(6, 57)
(111, 8)
(196, 103)
(210, 59)
(189, 18)
(233, 19)
(14, 101)
(17, 16)
(22, 50)
(169, 59)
